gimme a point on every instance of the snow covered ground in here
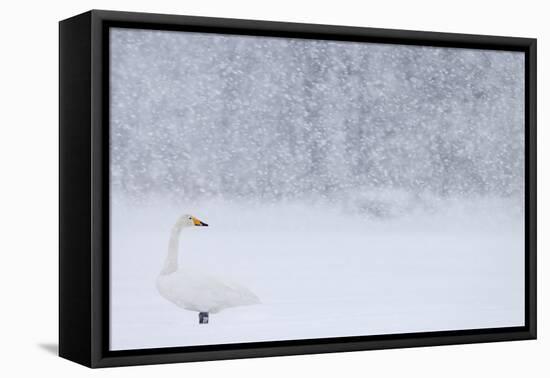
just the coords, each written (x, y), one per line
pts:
(320, 271)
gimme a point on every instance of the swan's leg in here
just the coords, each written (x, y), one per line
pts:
(203, 317)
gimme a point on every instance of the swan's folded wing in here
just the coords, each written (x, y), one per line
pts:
(199, 292)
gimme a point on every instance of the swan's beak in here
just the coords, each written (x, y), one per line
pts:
(197, 222)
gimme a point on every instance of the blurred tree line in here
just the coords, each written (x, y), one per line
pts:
(200, 115)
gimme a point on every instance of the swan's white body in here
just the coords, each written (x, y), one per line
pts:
(193, 290)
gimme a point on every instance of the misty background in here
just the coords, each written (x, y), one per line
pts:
(268, 119)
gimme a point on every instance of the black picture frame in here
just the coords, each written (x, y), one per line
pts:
(84, 188)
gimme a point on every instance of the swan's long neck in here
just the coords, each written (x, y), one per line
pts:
(171, 262)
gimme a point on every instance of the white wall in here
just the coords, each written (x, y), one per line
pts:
(28, 207)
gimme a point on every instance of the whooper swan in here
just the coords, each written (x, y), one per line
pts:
(193, 290)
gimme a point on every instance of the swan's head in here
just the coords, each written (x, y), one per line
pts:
(189, 220)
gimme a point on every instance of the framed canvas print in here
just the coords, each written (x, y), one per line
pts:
(234, 188)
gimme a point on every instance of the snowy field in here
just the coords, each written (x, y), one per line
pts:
(320, 271)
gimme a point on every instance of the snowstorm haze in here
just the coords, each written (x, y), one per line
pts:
(354, 188)
(196, 116)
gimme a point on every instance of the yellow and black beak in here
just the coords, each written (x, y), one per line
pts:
(197, 222)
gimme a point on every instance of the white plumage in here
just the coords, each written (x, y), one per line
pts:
(193, 290)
